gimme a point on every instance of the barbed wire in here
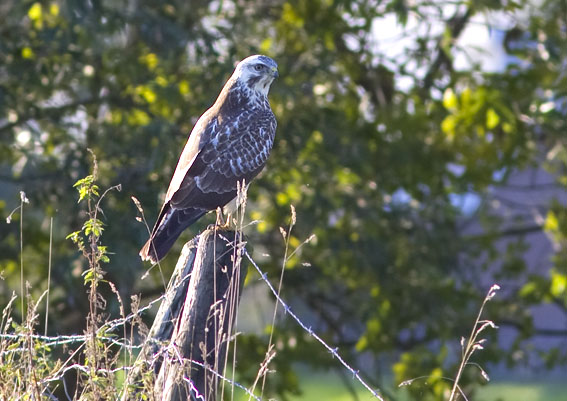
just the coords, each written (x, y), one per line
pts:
(334, 351)
(112, 325)
(54, 341)
(215, 373)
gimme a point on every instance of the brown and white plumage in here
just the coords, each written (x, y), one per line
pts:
(230, 143)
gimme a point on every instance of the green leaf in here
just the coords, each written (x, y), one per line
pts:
(558, 285)
(54, 9)
(551, 223)
(94, 189)
(151, 60)
(88, 275)
(35, 12)
(138, 117)
(448, 126)
(449, 99)
(93, 226)
(73, 236)
(184, 87)
(492, 119)
(27, 53)
(88, 180)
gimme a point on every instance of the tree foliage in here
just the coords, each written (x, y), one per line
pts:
(373, 151)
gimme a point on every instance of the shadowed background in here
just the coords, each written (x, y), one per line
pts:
(425, 174)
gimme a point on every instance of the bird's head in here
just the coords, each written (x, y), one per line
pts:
(256, 73)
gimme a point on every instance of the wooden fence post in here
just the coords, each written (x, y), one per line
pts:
(187, 344)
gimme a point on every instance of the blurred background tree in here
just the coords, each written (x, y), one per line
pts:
(387, 145)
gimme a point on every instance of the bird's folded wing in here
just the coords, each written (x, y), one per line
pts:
(205, 128)
(233, 153)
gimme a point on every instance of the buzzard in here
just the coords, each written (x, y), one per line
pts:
(230, 143)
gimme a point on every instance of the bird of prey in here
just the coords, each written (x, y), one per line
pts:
(229, 144)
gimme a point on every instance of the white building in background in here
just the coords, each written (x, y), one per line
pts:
(521, 205)
(523, 201)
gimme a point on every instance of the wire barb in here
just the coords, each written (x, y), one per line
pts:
(333, 351)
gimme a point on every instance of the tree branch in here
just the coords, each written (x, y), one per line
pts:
(456, 25)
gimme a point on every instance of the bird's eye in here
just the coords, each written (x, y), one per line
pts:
(258, 67)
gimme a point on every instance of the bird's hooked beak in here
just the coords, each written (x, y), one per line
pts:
(274, 72)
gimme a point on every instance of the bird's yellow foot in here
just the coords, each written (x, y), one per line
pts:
(221, 224)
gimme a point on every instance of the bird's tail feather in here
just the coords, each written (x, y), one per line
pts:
(170, 227)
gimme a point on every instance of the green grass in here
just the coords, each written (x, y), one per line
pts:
(329, 387)
(524, 391)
